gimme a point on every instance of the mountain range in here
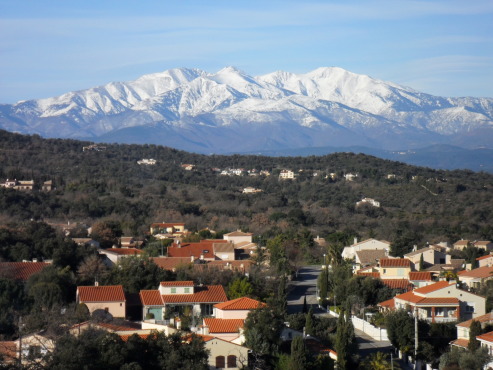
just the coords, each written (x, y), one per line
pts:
(233, 112)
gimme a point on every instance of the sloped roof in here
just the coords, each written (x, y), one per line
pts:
(419, 251)
(439, 300)
(224, 325)
(369, 256)
(205, 294)
(125, 337)
(460, 343)
(243, 303)
(461, 242)
(484, 257)
(151, 298)
(9, 352)
(238, 233)
(433, 287)
(371, 239)
(395, 262)
(409, 297)
(398, 284)
(389, 303)
(482, 242)
(420, 276)
(123, 251)
(375, 275)
(176, 283)
(21, 270)
(109, 293)
(487, 337)
(204, 247)
(111, 327)
(171, 263)
(223, 247)
(480, 272)
(486, 318)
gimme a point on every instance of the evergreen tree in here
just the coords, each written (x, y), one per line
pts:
(309, 323)
(421, 262)
(299, 355)
(323, 285)
(474, 330)
(305, 306)
(344, 342)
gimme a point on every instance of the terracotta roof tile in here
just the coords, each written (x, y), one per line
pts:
(437, 300)
(243, 303)
(224, 325)
(125, 337)
(420, 275)
(409, 297)
(370, 256)
(21, 270)
(484, 257)
(432, 287)
(124, 251)
(177, 283)
(9, 352)
(398, 284)
(480, 272)
(487, 337)
(390, 303)
(486, 318)
(171, 263)
(460, 343)
(395, 262)
(151, 298)
(205, 248)
(375, 275)
(205, 294)
(110, 293)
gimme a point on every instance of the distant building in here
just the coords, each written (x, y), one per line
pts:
(250, 190)
(286, 174)
(147, 162)
(369, 201)
(188, 167)
(350, 176)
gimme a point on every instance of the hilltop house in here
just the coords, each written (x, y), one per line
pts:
(463, 329)
(394, 268)
(431, 256)
(369, 244)
(114, 255)
(369, 201)
(172, 228)
(439, 302)
(474, 278)
(109, 298)
(286, 174)
(176, 295)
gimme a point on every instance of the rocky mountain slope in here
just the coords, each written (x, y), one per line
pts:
(230, 111)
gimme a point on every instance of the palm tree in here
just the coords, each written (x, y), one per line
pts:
(378, 361)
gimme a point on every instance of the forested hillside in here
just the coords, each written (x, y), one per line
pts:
(418, 205)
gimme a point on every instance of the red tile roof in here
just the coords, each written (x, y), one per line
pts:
(395, 262)
(486, 318)
(409, 297)
(488, 337)
(484, 257)
(151, 298)
(437, 300)
(460, 343)
(110, 293)
(398, 284)
(166, 225)
(375, 275)
(243, 303)
(420, 275)
(124, 251)
(21, 270)
(125, 337)
(111, 327)
(224, 325)
(205, 294)
(204, 248)
(177, 283)
(433, 287)
(171, 263)
(9, 352)
(480, 272)
(390, 303)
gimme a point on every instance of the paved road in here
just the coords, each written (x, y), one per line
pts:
(304, 285)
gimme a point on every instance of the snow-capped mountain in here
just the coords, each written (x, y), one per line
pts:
(230, 111)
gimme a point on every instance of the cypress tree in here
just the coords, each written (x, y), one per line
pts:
(309, 322)
(421, 262)
(299, 355)
(474, 331)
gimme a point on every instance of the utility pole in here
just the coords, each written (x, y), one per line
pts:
(416, 335)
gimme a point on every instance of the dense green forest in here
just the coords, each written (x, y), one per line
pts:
(418, 205)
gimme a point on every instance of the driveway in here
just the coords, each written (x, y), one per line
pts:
(304, 285)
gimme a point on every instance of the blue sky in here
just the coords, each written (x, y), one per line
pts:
(51, 47)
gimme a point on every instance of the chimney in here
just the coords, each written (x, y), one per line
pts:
(355, 241)
(192, 259)
(96, 283)
(201, 257)
(35, 260)
(205, 330)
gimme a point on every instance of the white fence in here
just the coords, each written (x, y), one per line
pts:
(369, 329)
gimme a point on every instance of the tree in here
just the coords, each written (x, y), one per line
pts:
(400, 329)
(299, 355)
(106, 233)
(474, 331)
(92, 269)
(309, 323)
(240, 287)
(344, 341)
(378, 361)
(323, 285)
(421, 262)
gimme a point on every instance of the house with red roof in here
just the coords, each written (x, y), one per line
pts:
(225, 354)
(237, 308)
(476, 277)
(485, 260)
(110, 298)
(442, 301)
(421, 278)
(203, 250)
(174, 296)
(238, 237)
(171, 228)
(114, 255)
(463, 329)
(227, 329)
(394, 268)
(21, 270)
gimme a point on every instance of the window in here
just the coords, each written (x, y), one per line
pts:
(469, 307)
(173, 290)
(384, 271)
(439, 311)
(231, 361)
(187, 290)
(220, 363)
